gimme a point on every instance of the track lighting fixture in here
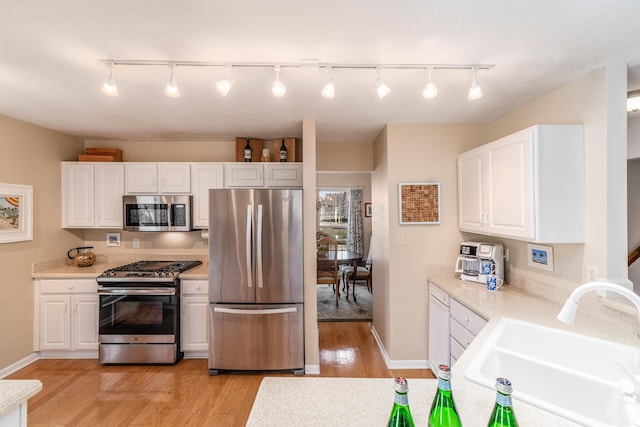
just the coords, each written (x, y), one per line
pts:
(278, 89)
(224, 86)
(172, 88)
(382, 89)
(430, 90)
(329, 90)
(475, 91)
(109, 87)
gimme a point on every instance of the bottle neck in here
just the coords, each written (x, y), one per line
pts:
(444, 385)
(401, 399)
(503, 399)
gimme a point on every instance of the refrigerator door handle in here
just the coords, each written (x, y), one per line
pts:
(248, 246)
(251, 311)
(259, 249)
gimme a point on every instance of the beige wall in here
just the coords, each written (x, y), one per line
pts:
(171, 151)
(338, 156)
(413, 153)
(31, 156)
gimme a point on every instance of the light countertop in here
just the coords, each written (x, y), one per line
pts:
(510, 301)
(16, 392)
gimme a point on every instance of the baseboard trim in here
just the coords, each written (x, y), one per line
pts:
(397, 364)
(312, 369)
(15, 367)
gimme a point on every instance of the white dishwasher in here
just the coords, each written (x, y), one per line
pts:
(439, 328)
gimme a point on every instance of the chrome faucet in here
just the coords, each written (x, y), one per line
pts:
(568, 312)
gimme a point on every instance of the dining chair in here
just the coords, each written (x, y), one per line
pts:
(327, 264)
(363, 273)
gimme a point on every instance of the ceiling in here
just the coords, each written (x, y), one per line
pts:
(52, 69)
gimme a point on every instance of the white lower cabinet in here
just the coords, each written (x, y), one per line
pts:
(68, 315)
(194, 336)
(465, 325)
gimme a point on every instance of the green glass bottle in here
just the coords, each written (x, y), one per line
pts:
(502, 415)
(400, 414)
(443, 409)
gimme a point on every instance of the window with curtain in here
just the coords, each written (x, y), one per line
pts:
(340, 216)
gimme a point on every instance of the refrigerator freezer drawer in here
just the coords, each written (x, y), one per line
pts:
(256, 337)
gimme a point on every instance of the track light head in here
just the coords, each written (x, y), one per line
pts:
(109, 87)
(224, 86)
(475, 91)
(172, 87)
(430, 90)
(329, 90)
(382, 89)
(278, 89)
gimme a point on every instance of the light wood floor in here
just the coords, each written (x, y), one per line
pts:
(86, 393)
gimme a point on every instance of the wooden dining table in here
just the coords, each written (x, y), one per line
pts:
(345, 257)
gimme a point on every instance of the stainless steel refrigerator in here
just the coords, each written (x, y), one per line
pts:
(255, 280)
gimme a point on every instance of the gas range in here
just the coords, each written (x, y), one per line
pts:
(146, 272)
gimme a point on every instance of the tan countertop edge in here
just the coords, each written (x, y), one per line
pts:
(15, 392)
(59, 269)
(511, 301)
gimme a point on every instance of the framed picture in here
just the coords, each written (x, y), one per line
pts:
(419, 203)
(113, 239)
(367, 210)
(16, 213)
(540, 256)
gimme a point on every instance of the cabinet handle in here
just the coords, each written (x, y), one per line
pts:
(198, 287)
(64, 310)
(75, 308)
(466, 319)
(70, 286)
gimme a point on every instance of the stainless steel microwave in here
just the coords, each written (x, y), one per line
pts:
(157, 212)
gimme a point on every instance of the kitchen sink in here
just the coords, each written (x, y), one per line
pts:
(574, 376)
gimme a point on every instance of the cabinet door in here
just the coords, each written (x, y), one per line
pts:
(77, 195)
(244, 175)
(204, 176)
(55, 322)
(283, 174)
(174, 178)
(141, 178)
(471, 190)
(194, 335)
(109, 188)
(509, 196)
(85, 322)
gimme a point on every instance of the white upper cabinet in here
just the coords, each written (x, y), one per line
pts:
(259, 175)
(526, 186)
(92, 195)
(153, 178)
(283, 174)
(204, 176)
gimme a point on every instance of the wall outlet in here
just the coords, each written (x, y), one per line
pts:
(136, 243)
(506, 254)
(592, 273)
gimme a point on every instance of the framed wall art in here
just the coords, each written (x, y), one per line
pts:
(419, 203)
(113, 239)
(16, 213)
(540, 256)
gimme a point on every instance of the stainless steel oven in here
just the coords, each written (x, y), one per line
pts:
(140, 312)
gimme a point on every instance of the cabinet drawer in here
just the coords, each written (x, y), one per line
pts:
(456, 351)
(67, 286)
(466, 317)
(197, 287)
(460, 334)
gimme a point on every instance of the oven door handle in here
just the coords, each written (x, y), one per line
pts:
(137, 291)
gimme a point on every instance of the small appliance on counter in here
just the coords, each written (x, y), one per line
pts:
(478, 260)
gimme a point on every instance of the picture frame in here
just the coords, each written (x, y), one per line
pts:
(419, 203)
(113, 239)
(367, 210)
(16, 213)
(540, 256)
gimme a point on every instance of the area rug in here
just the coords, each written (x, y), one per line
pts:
(348, 310)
